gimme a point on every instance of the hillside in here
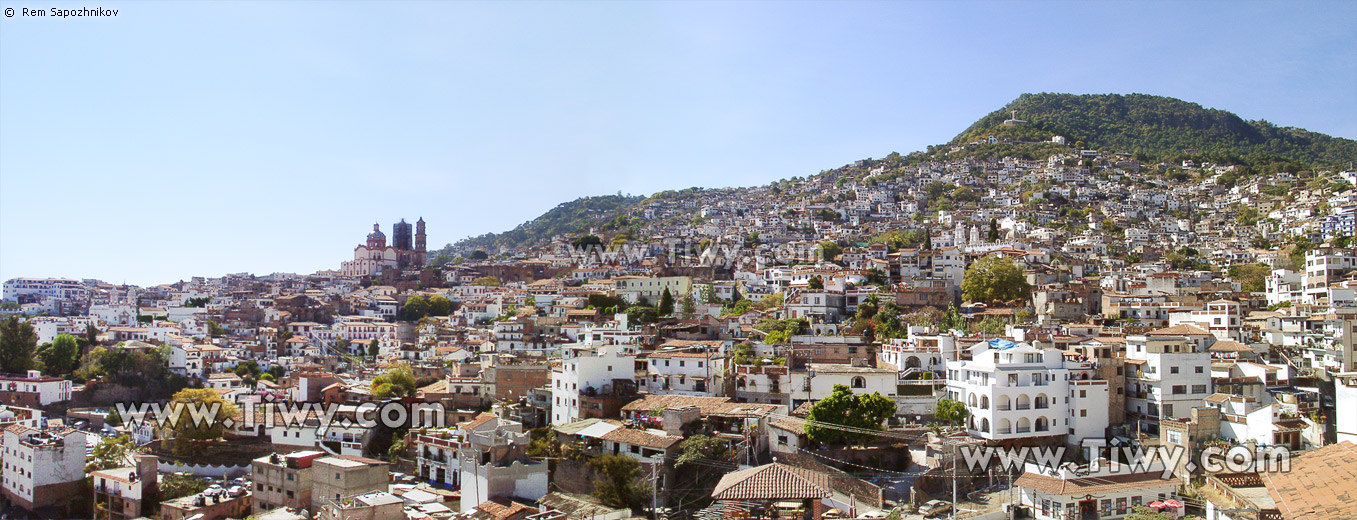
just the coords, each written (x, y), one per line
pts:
(568, 218)
(1157, 128)
(1152, 128)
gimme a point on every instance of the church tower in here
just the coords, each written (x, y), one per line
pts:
(420, 239)
(376, 239)
(400, 236)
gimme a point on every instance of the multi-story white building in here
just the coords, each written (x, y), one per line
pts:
(1017, 391)
(494, 463)
(1345, 406)
(1166, 377)
(818, 380)
(67, 294)
(587, 368)
(651, 288)
(1285, 285)
(33, 389)
(684, 372)
(1322, 267)
(42, 467)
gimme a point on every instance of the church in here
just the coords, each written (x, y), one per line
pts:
(375, 256)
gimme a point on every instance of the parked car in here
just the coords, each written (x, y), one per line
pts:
(934, 508)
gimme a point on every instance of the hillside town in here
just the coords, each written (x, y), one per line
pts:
(828, 347)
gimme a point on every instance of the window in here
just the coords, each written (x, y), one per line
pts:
(1173, 370)
(859, 382)
(1198, 389)
(1199, 370)
(1179, 389)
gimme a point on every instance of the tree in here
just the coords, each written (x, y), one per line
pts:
(196, 414)
(828, 251)
(60, 357)
(622, 484)
(397, 381)
(843, 407)
(641, 314)
(994, 278)
(17, 343)
(951, 411)
(374, 348)
(111, 452)
(993, 230)
(666, 302)
(1251, 277)
(179, 485)
(697, 450)
(815, 283)
(687, 308)
(416, 307)
(477, 255)
(439, 305)
(396, 451)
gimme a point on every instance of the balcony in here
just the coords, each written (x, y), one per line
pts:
(1003, 431)
(1024, 407)
(1003, 407)
(1024, 429)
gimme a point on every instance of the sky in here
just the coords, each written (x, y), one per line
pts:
(183, 139)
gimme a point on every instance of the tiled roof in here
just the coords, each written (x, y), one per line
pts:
(1226, 345)
(1090, 485)
(1319, 485)
(636, 437)
(772, 482)
(1179, 330)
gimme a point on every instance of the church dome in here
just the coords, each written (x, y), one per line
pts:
(376, 233)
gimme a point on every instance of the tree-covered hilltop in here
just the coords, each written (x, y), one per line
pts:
(568, 218)
(1157, 128)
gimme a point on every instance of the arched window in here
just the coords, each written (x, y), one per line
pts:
(1004, 426)
(740, 383)
(1004, 403)
(912, 362)
(1024, 425)
(984, 425)
(1023, 402)
(859, 382)
(984, 403)
(971, 401)
(1042, 424)
(1042, 401)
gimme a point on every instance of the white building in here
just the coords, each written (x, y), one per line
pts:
(1166, 376)
(42, 467)
(1077, 492)
(1016, 391)
(819, 379)
(584, 367)
(1345, 406)
(684, 372)
(494, 463)
(34, 389)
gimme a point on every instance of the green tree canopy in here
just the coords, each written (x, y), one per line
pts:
(60, 357)
(844, 408)
(18, 341)
(828, 251)
(196, 414)
(439, 305)
(397, 381)
(666, 303)
(952, 411)
(623, 484)
(994, 279)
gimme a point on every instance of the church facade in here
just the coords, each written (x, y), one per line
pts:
(407, 251)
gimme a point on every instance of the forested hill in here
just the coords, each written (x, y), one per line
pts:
(1152, 128)
(1157, 128)
(569, 218)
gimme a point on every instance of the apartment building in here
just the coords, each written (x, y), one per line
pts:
(586, 370)
(495, 464)
(33, 390)
(1166, 377)
(1021, 394)
(120, 493)
(339, 476)
(283, 480)
(685, 372)
(42, 467)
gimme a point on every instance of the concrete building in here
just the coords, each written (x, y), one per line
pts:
(685, 372)
(283, 480)
(376, 505)
(495, 464)
(120, 493)
(1021, 394)
(33, 390)
(336, 477)
(42, 467)
(210, 504)
(585, 370)
(1166, 377)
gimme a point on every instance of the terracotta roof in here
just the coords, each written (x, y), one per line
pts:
(1090, 485)
(1319, 485)
(1226, 345)
(641, 438)
(1179, 330)
(772, 482)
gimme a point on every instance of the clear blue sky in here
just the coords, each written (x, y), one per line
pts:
(182, 139)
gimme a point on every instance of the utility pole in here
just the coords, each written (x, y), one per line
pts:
(954, 461)
(654, 493)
